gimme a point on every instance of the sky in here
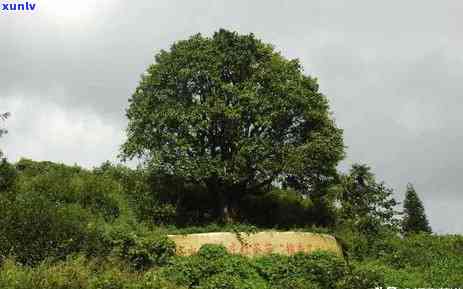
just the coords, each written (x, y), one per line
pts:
(392, 71)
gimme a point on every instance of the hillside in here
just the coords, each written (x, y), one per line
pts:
(69, 227)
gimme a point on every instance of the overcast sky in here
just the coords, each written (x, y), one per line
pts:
(392, 70)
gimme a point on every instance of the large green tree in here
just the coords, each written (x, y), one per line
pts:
(232, 114)
(414, 220)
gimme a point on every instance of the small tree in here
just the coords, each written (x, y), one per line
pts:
(414, 220)
(366, 204)
(231, 114)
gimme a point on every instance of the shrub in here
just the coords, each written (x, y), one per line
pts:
(76, 273)
(210, 266)
(212, 251)
(8, 175)
(423, 250)
(97, 194)
(321, 267)
(213, 266)
(153, 280)
(142, 251)
(33, 228)
(362, 277)
(72, 274)
(112, 279)
(70, 185)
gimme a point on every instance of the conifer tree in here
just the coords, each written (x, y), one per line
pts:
(414, 220)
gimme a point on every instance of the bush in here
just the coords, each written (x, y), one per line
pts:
(142, 251)
(213, 266)
(320, 268)
(33, 228)
(98, 194)
(363, 277)
(8, 175)
(414, 261)
(210, 266)
(212, 251)
(92, 192)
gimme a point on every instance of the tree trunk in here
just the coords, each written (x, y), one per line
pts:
(224, 209)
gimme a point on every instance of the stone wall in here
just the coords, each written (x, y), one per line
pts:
(286, 243)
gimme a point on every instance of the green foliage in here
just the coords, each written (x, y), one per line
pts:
(403, 267)
(206, 268)
(33, 228)
(414, 220)
(231, 114)
(225, 281)
(366, 205)
(187, 205)
(32, 168)
(70, 185)
(141, 250)
(321, 268)
(76, 273)
(67, 275)
(424, 251)
(213, 266)
(363, 277)
(211, 251)
(295, 283)
(278, 208)
(8, 175)
(52, 210)
(416, 261)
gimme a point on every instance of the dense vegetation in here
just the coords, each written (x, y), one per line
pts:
(68, 227)
(234, 138)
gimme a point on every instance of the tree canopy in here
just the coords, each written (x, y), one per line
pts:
(230, 112)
